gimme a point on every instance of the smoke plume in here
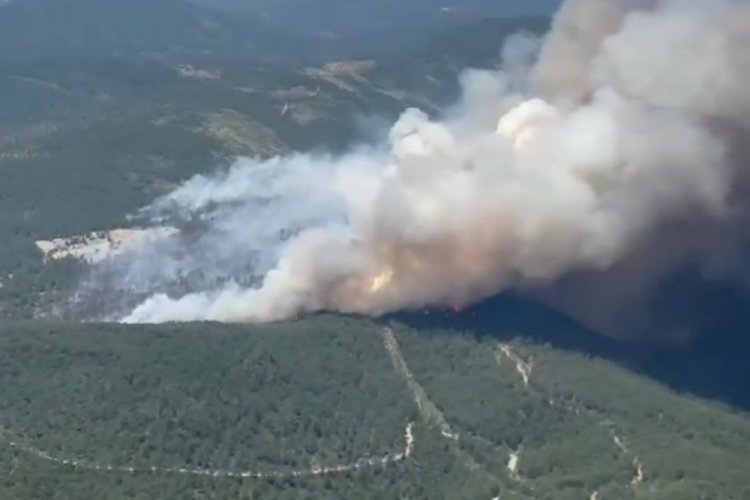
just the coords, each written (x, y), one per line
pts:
(617, 145)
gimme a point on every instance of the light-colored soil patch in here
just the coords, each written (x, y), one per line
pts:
(192, 73)
(345, 75)
(241, 135)
(512, 466)
(96, 247)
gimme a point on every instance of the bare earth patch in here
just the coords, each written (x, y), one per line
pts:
(96, 247)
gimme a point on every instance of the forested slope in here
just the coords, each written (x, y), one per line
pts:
(333, 407)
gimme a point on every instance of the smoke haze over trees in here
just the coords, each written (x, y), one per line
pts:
(544, 169)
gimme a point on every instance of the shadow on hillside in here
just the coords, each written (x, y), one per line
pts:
(714, 365)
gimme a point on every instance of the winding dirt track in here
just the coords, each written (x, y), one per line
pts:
(524, 368)
(362, 463)
(8, 438)
(427, 409)
(639, 476)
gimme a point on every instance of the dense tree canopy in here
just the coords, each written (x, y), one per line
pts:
(334, 407)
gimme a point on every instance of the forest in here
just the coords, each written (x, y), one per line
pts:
(379, 411)
(508, 400)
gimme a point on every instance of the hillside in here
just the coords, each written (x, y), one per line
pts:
(79, 29)
(345, 29)
(107, 105)
(282, 31)
(116, 132)
(379, 412)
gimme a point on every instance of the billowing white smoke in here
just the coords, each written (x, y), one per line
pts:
(622, 128)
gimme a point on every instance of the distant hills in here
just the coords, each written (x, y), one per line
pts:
(375, 16)
(287, 30)
(43, 29)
